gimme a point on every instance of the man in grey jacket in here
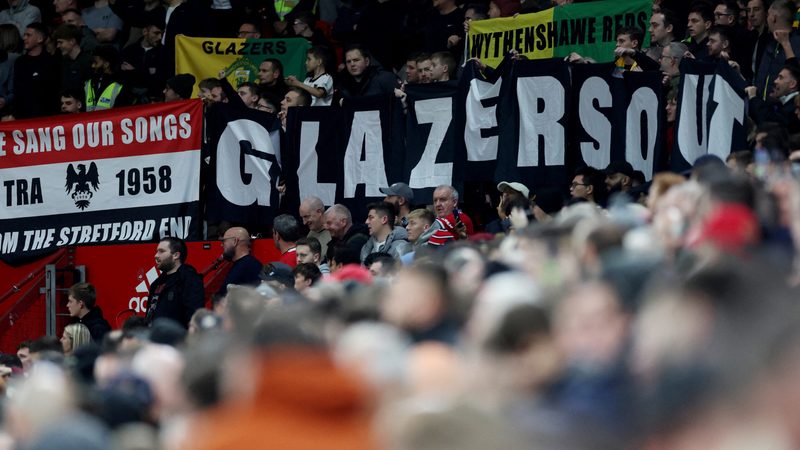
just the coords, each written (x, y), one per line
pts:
(384, 237)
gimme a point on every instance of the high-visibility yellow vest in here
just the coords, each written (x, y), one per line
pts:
(107, 97)
(284, 7)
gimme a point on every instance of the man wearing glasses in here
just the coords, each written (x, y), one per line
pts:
(726, 14)
(671, 57)
(236, 247)
(248, 30)
(588, 184)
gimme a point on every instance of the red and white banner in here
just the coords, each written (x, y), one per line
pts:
(124, 175)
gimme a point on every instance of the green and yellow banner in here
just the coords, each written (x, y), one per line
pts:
(239, 58)
(585, 28)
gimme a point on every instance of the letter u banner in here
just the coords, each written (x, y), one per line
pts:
(124, 175)
(711, 113)
(586, 28)
(239, 58)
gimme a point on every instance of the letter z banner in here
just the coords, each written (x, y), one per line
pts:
(125, 175)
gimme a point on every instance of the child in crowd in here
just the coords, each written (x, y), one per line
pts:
(318, 83)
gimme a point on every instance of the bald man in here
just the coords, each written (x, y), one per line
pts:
(312, 211)
(236, 246)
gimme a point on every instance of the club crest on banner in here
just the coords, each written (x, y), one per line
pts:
(81, 184)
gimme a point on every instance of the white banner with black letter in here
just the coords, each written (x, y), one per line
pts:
(244, 154)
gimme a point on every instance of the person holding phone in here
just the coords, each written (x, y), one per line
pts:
(451, 223)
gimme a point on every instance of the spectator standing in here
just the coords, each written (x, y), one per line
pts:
(10, 46)
(143, 63)
(759, 33)
(318, 84)
(304, 26)
(362, 78)
(178, 291)
(701, 17)
(105, 89)
(271, 82)
(76, 64)
(236, 248)
(671, 57)
(36, 77)
(248, 92)
(443, 66)
(662, 27)
(779, 19)
(184, 17)
(103, 22)
(82, 304)
(381, 27)
(447, 20)
(88, 38)
(20, 13)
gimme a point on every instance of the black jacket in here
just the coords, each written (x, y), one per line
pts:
(37, 82)
(355, 238)
(176, 296)
(97, 325)
(375, 81)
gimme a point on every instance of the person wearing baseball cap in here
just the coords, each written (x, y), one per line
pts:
(509, 191)
(401, 196)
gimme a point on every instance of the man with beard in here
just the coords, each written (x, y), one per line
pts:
(780, 106)
(105, 90)
(143, 62)
(236, 247)
(619, 177)
(178, 292)
(401, 196)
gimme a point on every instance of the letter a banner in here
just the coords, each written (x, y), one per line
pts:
(124, 175)
(585, 28)
(239, 58)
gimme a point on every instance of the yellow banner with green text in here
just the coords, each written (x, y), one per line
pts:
(586, 28)
(239, 58)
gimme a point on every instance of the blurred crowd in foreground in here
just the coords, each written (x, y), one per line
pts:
(671, 326)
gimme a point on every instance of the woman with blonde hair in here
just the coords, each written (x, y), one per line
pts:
(75, 335)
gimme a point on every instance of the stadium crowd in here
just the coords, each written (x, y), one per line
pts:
(626, 314)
